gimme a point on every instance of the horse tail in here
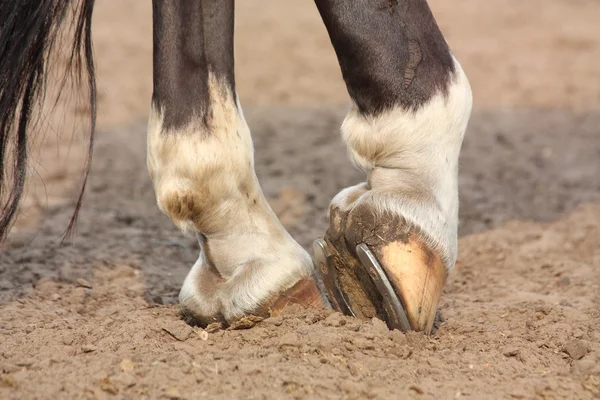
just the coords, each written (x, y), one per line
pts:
(29, 31)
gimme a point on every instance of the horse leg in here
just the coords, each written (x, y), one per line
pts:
(200, 158)
(411, 105)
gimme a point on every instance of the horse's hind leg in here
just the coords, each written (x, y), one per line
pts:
(200, 157)
(392, 240)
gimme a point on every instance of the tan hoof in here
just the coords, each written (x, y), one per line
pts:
(305, 293)
(400, 282)
(418, 277)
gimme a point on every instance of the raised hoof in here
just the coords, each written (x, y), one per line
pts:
(400, 282)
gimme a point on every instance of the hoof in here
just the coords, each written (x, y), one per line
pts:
(305, 293)
(400, 282)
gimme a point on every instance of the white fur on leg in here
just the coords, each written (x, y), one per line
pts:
(201, 302)
(411, 158)
(205, 181)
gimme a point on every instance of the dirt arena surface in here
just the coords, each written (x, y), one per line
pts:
(97, 319)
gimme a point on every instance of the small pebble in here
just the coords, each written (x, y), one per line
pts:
(83, 283)
(88, 348)
(510, 351)
(576, 349)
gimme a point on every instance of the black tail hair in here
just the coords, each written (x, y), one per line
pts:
(29, 32)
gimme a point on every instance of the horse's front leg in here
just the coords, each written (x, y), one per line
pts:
(393, 239)
(200, 157)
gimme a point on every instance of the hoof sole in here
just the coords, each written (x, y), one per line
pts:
(407, 277)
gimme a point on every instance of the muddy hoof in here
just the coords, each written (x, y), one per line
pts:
(399, 281)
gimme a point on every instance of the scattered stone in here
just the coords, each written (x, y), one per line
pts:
(214, 327)
(179, 330)
(83, 283)
(576, 349)
(246, 322)
(511, 351)
(88, 348)
(126, 365)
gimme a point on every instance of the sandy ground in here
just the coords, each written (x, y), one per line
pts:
(95, 319)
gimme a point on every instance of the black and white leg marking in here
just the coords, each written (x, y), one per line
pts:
(411, 103)
(200, 157)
